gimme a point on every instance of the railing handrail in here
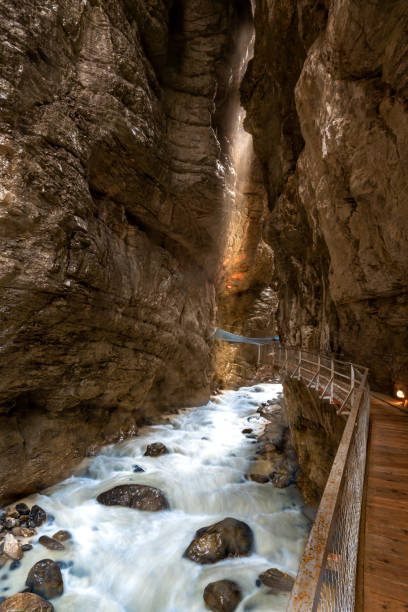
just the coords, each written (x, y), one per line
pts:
(325, 376)
(306, 589)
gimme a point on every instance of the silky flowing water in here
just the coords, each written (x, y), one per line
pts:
(125, 560)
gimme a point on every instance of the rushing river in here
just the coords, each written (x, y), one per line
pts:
(126, 560)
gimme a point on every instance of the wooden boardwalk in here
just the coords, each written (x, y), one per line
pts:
(383, 559)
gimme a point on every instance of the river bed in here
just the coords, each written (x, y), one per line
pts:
(125, 560)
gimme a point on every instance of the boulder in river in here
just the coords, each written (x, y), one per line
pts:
(51, 543)
(12, 547)
(45, 579)
(62, 535)
(37, 516)
(26, 602)
(276, 580)
(140, 497)
(228, 538)
(156, 449)
(222, 596)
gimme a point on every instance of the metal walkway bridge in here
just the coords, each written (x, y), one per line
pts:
(327, 576)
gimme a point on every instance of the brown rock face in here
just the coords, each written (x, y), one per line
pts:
(26, 602)
(140, 497)
(228, 538)
(222, 596)
(315, 430)
(112, 195)
(326, 98)
(276, 460)
(45, 579)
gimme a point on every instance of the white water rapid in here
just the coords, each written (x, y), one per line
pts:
(126, 560)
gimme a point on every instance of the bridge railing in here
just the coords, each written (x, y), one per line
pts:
(326, 580)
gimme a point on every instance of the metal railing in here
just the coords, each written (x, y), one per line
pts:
(326, 580)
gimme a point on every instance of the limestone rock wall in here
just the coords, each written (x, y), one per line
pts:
(112, 212)
(315, 432)
(326, 100)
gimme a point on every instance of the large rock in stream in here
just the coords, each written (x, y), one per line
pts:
(26, 602)
(222, 596)
(45, 579)
(228, 538)
(156, 449)
(140, 497)
(276, 580)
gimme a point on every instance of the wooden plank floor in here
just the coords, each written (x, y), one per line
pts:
(384, 554)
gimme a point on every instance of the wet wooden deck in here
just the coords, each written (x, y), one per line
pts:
(383, 559)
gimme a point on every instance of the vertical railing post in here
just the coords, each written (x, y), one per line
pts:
(318, 373)
(300, 364)
(352, 383)
(332, 380)
(259, 354)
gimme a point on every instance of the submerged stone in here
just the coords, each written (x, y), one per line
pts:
(227, 538)
(276, 580)
(45, 579)
(222, 596)
(62, 535)
(50, 543)
(156, 449)
(137, 468)
(139, 497)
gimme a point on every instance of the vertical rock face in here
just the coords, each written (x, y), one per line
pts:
(326, 100)
(246, 300)
(316, 431)
(112, 213)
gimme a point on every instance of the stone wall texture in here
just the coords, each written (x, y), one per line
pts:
(326, 100)
(112, 212)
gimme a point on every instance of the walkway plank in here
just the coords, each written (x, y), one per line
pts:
(384, 557)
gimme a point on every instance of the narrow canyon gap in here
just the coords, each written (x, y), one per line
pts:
(126, 238)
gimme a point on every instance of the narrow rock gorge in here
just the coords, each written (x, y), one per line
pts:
(171, 166)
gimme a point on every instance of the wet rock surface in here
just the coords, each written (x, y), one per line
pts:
(156, 449)
(222, 596)
(50, 543)
(26, 602)
(276, 580)
(276, 460)
(139, 497)
(12, 547)
(227, 538)
(113, 174)
(45, 579)
(326, 96)
(316, 431)
(36, 517)
(62, 535)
